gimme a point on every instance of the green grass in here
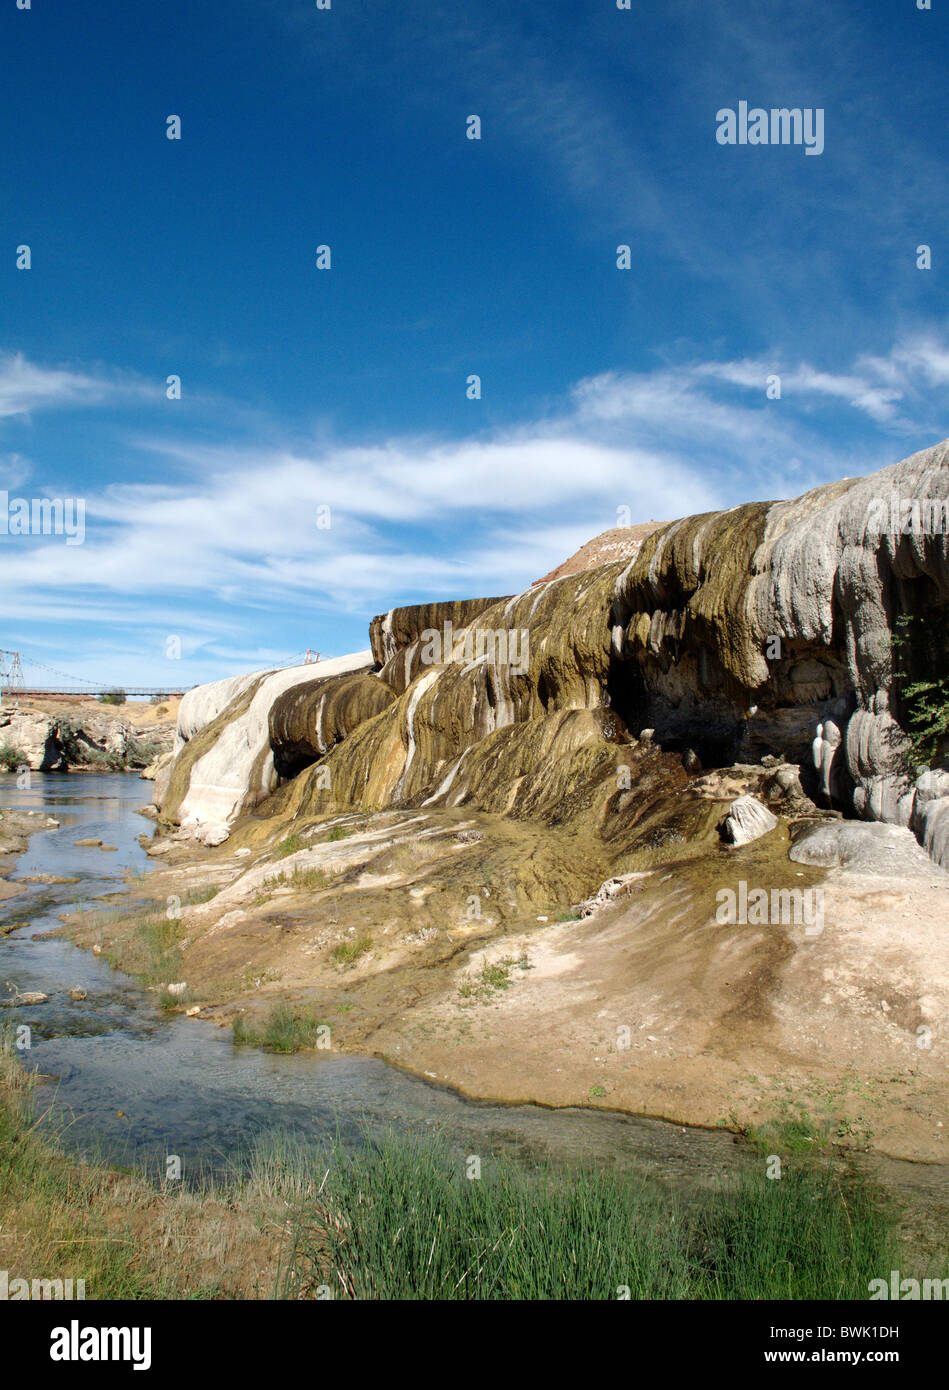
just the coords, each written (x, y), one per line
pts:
(167, 1000)
(66, 1239)
(340, 832)
(149, 950)
(403, 1221)
(309, 878)
(492, 978)
(290, 845)
(347, 953)
(399, 1218)
(790, 1133)
(287, 1028)
(128, 1238)
(200, 895)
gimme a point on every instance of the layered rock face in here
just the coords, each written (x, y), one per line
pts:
(46, 739)
(764, 630)
(308, 720)
(225, 762)
(770, 628)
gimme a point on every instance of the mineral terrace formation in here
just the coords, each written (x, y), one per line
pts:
(785, 631)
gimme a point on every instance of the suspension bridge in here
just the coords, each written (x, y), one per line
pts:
(50, 682)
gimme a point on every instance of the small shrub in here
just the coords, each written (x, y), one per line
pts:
(491, 978)
(348, 952)
(921, 670)
(112, 697)
(11, 757)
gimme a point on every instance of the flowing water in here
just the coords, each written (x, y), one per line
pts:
(132, 1085)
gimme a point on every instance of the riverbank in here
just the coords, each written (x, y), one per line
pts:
(360, 929)
(125, 1238)
(412, 1218)
(16, 827)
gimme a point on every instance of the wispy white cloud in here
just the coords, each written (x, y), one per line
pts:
(215, 557)
(27, 386)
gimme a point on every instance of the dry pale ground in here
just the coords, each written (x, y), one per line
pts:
(142, 714)
(648, 1006)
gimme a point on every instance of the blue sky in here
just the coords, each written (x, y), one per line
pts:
(346, 388)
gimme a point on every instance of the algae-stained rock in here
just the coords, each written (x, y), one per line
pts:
(767, 629)
(392, 635)
(310, 719)
(227, 765)
(542, 653)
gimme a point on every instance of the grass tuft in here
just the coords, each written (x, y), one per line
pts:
(347, 953)
(287, 1028)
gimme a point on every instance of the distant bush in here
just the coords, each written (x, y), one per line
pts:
(141, 752)
(112, 697)
(104, 759)
(11, 757)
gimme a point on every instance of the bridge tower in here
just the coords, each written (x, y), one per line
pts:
(11, 675)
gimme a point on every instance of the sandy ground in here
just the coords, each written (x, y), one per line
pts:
(142, 714)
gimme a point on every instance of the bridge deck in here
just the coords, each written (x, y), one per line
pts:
(35, 692)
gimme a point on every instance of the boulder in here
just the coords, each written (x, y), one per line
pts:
(867, 848)
(746, 820)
